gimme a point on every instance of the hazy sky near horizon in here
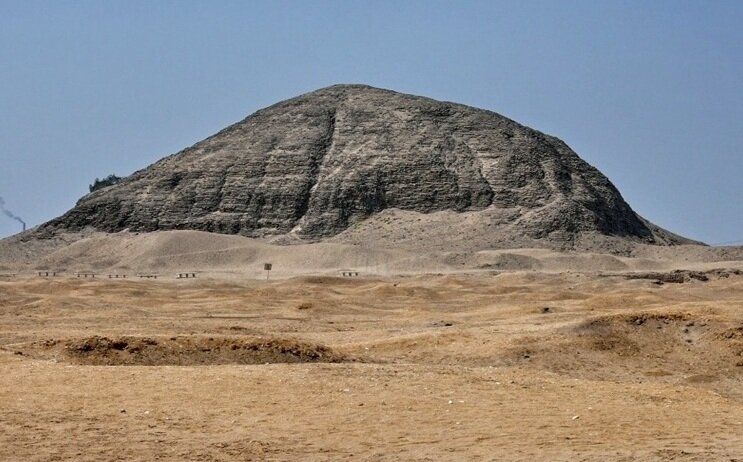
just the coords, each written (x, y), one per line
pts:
(651, 93)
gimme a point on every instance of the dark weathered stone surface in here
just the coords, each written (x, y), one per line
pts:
(316, 164)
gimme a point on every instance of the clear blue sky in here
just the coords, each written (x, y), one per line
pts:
(650, 92)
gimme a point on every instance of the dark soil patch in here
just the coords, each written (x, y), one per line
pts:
(733, 333)
(191, 350)
(674, 277)
(682, 276)
(637, 319)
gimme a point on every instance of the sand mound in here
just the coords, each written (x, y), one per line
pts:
(187, 351)
(507, 261)
(678, 347)
(170, 252)
(689, 253)
(173, 251)
(579, 262)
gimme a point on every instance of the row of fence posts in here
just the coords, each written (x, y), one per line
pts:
(267, 267)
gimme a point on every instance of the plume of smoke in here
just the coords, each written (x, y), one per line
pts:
(10, 214)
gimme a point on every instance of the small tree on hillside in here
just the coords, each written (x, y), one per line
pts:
(110, 180)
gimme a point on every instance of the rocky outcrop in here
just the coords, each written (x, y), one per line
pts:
(316, 164)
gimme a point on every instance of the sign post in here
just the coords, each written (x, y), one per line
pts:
(267, 269)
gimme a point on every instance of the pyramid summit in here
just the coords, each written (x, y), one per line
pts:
(334, 160)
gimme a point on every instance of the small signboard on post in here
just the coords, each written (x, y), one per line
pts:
(267, 268)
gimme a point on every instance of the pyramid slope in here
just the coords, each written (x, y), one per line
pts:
(313, 166)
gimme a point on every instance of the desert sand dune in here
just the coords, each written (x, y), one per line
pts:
(167, 252)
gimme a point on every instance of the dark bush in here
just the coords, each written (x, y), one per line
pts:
(110, 180)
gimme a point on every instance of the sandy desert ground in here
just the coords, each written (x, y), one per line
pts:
(486, 365)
